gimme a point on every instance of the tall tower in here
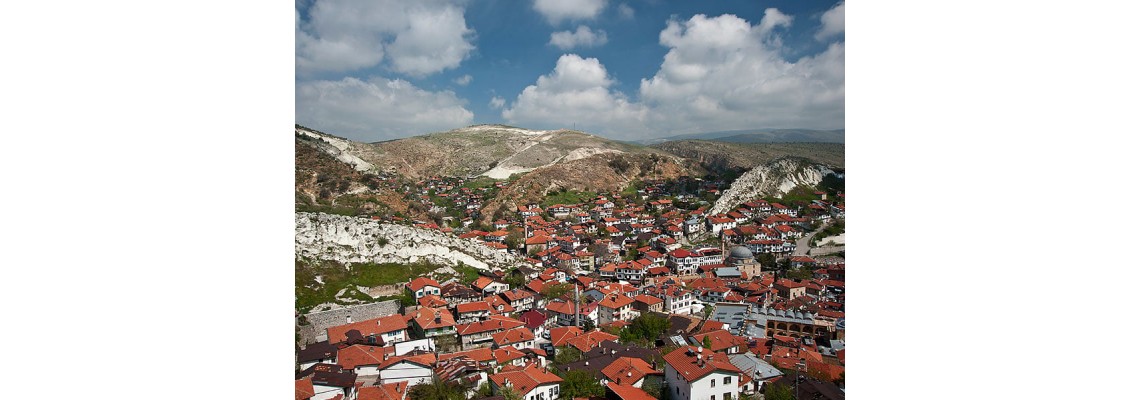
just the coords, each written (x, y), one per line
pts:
(577, 312)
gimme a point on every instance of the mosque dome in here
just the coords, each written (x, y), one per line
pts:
(740, 253)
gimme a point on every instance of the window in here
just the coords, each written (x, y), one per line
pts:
(713, 397)
(712, 383)
(727, 380)
(728, 396)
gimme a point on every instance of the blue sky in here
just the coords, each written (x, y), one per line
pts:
(383, 69)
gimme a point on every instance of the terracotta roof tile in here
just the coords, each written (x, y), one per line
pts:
(627, 370)
(684, 360)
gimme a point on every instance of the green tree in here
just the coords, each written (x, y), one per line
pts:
(580, 383)
(551, 292)
(566, 354)
(513, 240)
(707, 342)
(776, 391)
(509, 393)
(484, 390)
(437, 390)
(646, 328)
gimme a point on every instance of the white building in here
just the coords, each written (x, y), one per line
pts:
(532, 383)
(693, 374)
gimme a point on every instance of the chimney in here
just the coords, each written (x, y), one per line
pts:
(348, 319)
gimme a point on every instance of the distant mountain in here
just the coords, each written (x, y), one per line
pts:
(496, 151)
(727, 156)
(543, 161)
(760, 136)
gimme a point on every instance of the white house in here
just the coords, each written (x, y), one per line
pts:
(614, 307)
(411, 369)
(532, 383)
(422, 286)
(717, 224)
(693, 374)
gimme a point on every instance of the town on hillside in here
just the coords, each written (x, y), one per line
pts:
(634, 295)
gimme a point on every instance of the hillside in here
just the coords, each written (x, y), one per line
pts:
(760, 136)
(723, 156)
(602, 172)
(496, 151)
(328, 184)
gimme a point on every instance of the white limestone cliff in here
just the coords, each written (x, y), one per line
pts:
(772, 179)
(357, 240)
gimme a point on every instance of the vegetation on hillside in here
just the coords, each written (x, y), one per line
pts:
(336, 277)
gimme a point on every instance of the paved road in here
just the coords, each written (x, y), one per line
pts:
(803, 244)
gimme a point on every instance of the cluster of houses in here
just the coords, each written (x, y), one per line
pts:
(727, 335)
(594, 268)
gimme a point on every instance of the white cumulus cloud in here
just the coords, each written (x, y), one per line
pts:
(463, 80)
(556, 11)
(723, 73)
(625, 11)
(377, 109)
(417, 38)
(497, 102)
(832, 21)
(773, 18)
(582, 37)
(576, 93)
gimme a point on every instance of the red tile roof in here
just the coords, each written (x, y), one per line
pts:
(624, 392)
(721, 340)
(419, 283)
(684, 360)
(526, 379)
(560, 335)
(375, 326)
(590, 340)
(516, 335)
(627, 370)
(480, 355)
(356, 355)
(474, 306)
(615, 301)
(304, 388)
(650, 300)
(504, 355)
(426, 318)
(390, 391)
(495, 323)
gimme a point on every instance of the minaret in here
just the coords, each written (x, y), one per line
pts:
(577, 312)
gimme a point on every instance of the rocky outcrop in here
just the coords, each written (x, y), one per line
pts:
(772, 179)
(357, 240)
(341, 149)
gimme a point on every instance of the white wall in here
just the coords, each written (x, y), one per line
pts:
(366, 370)
(701, 388)
(405, 347)
(326, 392)
(405, 372)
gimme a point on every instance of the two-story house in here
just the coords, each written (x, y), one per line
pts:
(693, 374)
(615, 307)
(421, 287)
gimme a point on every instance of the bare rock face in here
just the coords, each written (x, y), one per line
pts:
(341, 149)
(772, 179)
(358, 240)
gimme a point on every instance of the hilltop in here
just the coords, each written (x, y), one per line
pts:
(760, 136)
(495, 151)
(724, 156)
